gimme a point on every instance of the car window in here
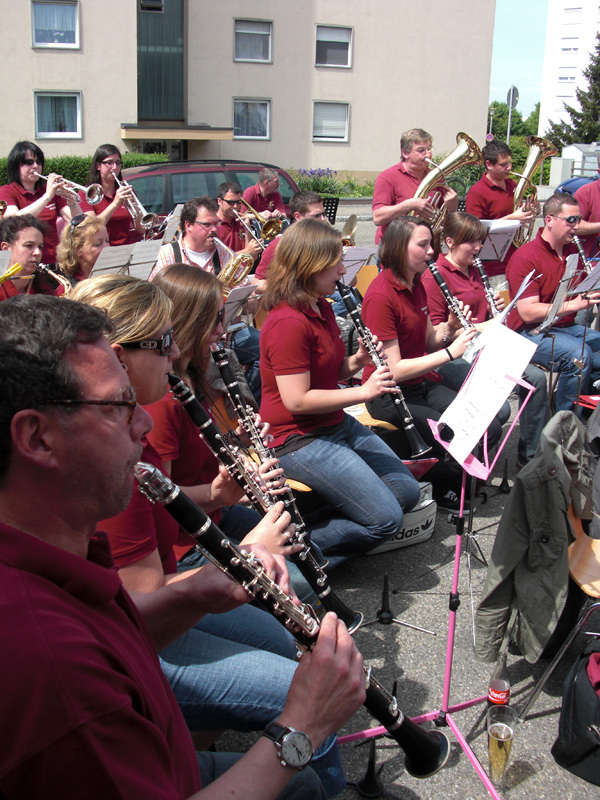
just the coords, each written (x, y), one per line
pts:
(149, 189)
(249, 178)
(194, 184)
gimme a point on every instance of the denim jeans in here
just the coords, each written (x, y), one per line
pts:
(363, 481)
(234, 671)
(568, 345)
(246, 347)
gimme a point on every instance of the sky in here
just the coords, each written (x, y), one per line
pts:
(518, 53)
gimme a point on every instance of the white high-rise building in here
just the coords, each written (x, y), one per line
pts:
(570, 40)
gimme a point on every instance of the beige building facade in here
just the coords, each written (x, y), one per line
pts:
(305, 84)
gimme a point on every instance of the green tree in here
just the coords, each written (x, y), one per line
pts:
(585, 124)
(500, 122)
(532, 122)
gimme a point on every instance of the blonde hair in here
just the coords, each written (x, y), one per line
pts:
(137, 309)
(73, 238)
(308, 247)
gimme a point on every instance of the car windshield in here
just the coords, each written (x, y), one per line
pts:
(195, 184)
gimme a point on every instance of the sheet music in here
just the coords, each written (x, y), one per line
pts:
(526, 281)
(591, 283)
(4, 260)
(144, 258)
(503, 359)
(354, 258)
(500, 235)
(172, 224)
(234, 302)
(560, 295)
(112, 259)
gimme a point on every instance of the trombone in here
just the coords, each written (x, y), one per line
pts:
(69, 190)
(270, 228)
(135, 208)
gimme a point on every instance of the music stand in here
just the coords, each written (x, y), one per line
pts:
(128, 259)
(353, 258)
(500, 235)
(444, 716)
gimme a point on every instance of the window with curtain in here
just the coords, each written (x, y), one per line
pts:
(334, 46)
(252, 40)
(251, 119)
(55, 24)
(330, 122)
(57, 115)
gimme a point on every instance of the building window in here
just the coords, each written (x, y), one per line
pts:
(334, 46)
(55, 24)
(57, 115)
(330, 122)
(251, 119)
(569, 44)
(252, 40)
(152, 5)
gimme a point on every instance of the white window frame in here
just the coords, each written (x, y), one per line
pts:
(259, 100)
(269, 35)
(346, 137)
(78, 134)
(55, 45)
(350, 42)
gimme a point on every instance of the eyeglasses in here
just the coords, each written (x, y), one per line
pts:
(206, 225)
(77, 220)
(570, 220)
(130, 403)
(29, 162)
(232, 202)
(163, 345)
(112, 164)
(220, 317)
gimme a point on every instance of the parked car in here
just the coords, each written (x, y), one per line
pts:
(572, 184)
(160, 187)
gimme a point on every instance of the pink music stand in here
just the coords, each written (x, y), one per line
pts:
(443, 716)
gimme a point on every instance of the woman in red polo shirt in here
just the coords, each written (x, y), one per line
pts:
(302, 362)
(26, 193)
(395, 309)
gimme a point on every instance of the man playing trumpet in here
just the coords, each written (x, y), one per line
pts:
(395, 187)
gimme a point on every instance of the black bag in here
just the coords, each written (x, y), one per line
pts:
(577, 747)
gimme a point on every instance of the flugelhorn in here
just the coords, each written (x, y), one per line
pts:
(135, 207)
(539, 149)
(269, 228)
(69, 190)
(235, 269)
(466, 152)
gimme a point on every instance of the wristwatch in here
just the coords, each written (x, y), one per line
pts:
(294, 748)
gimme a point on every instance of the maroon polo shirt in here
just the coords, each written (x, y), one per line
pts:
(15, 195)
(394, 185)
(588, 197)
(7, 289)
(119, 227)
(99, 718)
(538, 255)
(468, 288)
(233, 234)
(392, 311)
(274, 202)
(266, 258)
(485, 200)
(294, 341)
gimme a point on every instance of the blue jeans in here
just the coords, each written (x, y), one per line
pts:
(234, 670)
(363, 481)
(246, 347)
(568, 346)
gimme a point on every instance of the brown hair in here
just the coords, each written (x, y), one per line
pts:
(73, 238)
(392, 251)
(462, 227)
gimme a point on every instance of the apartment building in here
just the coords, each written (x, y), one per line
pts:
(329, 83)
(570, 40)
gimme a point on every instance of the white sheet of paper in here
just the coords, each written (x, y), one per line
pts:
(503, 358)
(501, 232)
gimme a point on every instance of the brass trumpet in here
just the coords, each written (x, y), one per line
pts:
(135, 208)
(270, 228)
(69, 190)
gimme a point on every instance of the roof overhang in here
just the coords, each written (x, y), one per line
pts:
(191, 133)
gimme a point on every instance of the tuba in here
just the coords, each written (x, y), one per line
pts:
(349, 230)
(270, 228)
(539, 149)
(235, 268)
(465, 152)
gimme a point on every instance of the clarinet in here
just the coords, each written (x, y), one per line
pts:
(417, 446)
(584, 260)
(495, 311)
(426, 751)
(306, 560)
(454, 306)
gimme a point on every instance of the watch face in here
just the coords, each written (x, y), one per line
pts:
(296, 749)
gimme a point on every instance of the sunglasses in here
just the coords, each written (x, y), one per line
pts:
(163, 345)
(130, 403)
(232, 202)
(29, 162)
(571, 220)
(77, 220)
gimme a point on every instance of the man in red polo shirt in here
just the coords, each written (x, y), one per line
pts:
(492, 197)
(231, 231)
(264, 197)
(588, 197)
(395, 187)
(547, 255)
(97, 717)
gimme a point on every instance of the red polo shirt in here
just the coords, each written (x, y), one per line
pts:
(485, 200)
(392, 311)
(266, 258)
(99, 719)
(392, 186)
(274, 202)
(588, 197)
(538, 255)
(293, 341)
(233, 234)
(15, 195)
(119, 227)
(468, 288)
(7, 289)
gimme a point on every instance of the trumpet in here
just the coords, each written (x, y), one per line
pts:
(69, 190)
(135, 208)
(270, 228)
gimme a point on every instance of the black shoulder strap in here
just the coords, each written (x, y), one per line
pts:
(177, 251)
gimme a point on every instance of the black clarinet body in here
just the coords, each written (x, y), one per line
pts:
(584, 260)
(418, 447)
(450, 299)
(306, 559)
(426, 751)
(489, 294)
